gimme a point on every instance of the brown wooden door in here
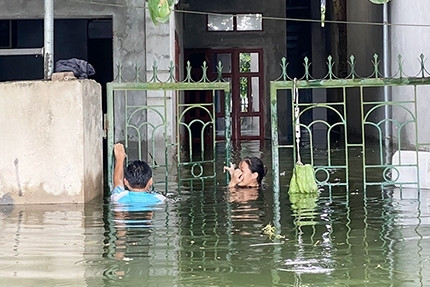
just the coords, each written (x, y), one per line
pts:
(244, 69)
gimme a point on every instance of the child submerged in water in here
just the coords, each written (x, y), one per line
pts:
(250, 173)
(133, 184)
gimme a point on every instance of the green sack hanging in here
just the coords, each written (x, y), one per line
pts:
(160, 10)
(303, 180)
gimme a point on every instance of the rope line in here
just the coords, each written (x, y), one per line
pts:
(297, 119)
(285, 19)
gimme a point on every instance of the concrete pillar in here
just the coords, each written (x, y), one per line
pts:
(50, 142)
(409, 39)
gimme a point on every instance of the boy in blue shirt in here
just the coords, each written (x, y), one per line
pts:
(132, 185)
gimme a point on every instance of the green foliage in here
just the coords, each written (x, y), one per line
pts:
(245, 66)
(245, 62)
(270, 231)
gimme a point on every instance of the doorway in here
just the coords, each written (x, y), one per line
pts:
(243, 68)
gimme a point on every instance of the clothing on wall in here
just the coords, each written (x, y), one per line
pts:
(80, 68)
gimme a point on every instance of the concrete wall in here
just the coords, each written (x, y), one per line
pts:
(51, 137)
(363, 42)
(410, 42)
(161, 48)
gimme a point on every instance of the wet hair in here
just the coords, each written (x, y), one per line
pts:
(138, 173)
(256, 165)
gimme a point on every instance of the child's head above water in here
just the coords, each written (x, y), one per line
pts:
(249, 173)
(255, 165)
(138, 175)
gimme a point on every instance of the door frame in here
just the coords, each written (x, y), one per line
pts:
(234, 74)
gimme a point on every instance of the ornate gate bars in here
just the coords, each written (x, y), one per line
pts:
(355, 122)
(143, 114)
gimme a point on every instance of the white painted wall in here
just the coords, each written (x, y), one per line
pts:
(51, 142)
(410, 41)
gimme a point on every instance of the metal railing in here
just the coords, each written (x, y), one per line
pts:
(347, 125)
(145, 127)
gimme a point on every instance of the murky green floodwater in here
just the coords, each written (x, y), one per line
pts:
(210, 237)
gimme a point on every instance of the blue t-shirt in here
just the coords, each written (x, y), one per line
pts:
(136, 199)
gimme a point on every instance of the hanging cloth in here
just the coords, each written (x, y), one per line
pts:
(160, 10)
(302, 179)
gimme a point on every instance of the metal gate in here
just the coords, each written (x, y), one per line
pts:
(143, 115)
(367, 129)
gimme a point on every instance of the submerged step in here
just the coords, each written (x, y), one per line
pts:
(411, 169)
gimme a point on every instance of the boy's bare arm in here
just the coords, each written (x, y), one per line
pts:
(118, 173)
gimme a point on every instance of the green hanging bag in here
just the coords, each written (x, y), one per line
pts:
(160, 10)
(302, 179)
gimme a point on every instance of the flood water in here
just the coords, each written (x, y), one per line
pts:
(210, 236)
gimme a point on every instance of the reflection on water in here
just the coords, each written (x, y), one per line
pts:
(49, 245)
(209, 235)
(303, 207)
(139, 245)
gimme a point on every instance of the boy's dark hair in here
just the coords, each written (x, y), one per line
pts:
(256, 165)
(138, 173)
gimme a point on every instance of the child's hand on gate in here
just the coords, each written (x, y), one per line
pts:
(230, 169)
(235, 173)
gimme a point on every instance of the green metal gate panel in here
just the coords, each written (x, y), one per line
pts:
(144, 128)
(357, 120)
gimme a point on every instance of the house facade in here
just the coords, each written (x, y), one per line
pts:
(121, 34)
